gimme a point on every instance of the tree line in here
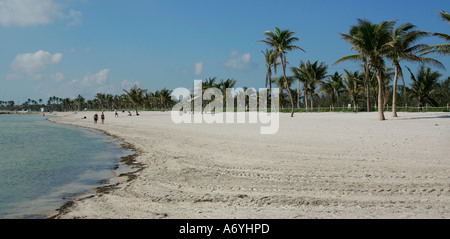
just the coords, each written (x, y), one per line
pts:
(130, 99)
(374, 46)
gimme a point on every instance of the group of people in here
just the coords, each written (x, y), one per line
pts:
(102, 117)
(116, 114)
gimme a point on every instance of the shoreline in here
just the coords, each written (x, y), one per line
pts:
(108, 184)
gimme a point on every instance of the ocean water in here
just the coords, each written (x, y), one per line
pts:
(43, 164)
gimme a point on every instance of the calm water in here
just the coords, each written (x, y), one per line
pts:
(43, 164)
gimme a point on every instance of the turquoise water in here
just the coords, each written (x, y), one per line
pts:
(43, 164)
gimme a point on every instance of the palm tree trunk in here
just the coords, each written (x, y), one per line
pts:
(298, 93)
(394, 92)
(267, 78)
(283, 61)
(380, 96)
(366, 81)
(270, 83)
(368, 97)
(306, 100)
(290, 97)
(312, 103)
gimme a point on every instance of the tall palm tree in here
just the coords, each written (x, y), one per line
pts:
(135, 95)
(369, 39)
(282, 41)
(423, 85)
(401, 47)
(270, 57)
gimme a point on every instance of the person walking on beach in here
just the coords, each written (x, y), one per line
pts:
(103, 118)
(116, 114)
(95, 118)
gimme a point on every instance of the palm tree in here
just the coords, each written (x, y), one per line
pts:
(79, 102)
(333, 87)
(354, 38)
(209, 83)
(301, 75)
(310, 75)
(270, 56)
(423, 86)
(353, 85)
(223, 85)
(163, 97)
(443, 91)
(401, 47)
(282, 41)
(66, 104)
(281, 84)
(317, 73)
(135, 96)
(369, 39)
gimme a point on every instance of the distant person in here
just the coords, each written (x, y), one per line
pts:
(115, 113)
(103, 118)
(95, 118)
(129, 113)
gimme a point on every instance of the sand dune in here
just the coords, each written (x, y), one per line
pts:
(319, 165)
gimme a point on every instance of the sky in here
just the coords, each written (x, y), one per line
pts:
(68, 47)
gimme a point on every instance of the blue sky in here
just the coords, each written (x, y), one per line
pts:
(70, 47)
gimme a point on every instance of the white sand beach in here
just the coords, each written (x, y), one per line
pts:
(318, 165)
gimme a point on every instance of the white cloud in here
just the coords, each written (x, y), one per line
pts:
(13, 77)
(239, 62)
(126, 85)
(95, 79)
(198, 68)
(90, 84)
(34, 12)
(75, 16)
(32, 63)
(58, 77)
(106, 89)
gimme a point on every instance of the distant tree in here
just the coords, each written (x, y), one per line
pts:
(135, 96)
(353, 82)
(333, 87)
(423, 86)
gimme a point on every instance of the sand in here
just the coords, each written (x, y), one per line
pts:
(318, 165)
